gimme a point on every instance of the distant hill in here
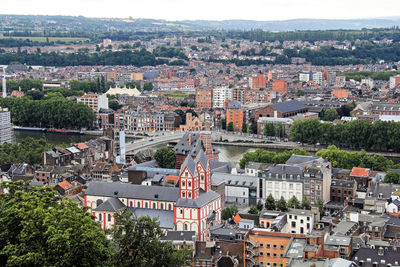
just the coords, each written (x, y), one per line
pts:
(296, 24)
(85, 24)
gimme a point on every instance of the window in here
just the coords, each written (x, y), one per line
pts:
(183, 183)
(186, 227)
(268, 245)
(154, 205)
(293, 224)
(282, 247)
(275, 246)
(290, 216)
(130, 203)
(146, 205)
(99, 216)
(189, 184)
(301, 221)
(138, 205)
(268, 254)
(308, 218)
(261, 245)
(261, 254)
(162, 206)
(181, 210)
(183, 194)
(202, 177)
(274, 255)
(189, 195)
(109, 217)
(169, 206)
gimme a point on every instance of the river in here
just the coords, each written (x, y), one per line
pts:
(227, 153)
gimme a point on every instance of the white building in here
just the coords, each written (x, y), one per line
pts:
(5, 126)
(94, 101)
(281, 181)
(304, 77)
(317, 77)
(299, 222)
(221, 95)
(368, 82)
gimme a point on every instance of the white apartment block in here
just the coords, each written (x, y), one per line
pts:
(317, 77)
(304, 77)
(5, 126)
(94, 101)
(299, 222)
(221, 95)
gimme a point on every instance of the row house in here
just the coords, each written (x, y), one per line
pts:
(342, 190)
(148, 122)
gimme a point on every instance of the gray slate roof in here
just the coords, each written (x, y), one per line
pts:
(134, 191)
(165, 217)
(179, 235)
(202, 200)
(288, 106)
(234, 180)
(111, 205)
(191, 165)
(202, 158)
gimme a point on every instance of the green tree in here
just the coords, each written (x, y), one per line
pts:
(223, 124)
(253, 127)
(165, 158)
(138, 243)
(260, 205)
(114, 105)
(270, 203)
(269, 129)
(229, 212)
(229, 127)
(294, 203)
(299, 93)
(39, 228)
(253, 210)
(281, 205)
(330, 115)
(148, 86)
(392, 177)
(320, 206)
(244, 127)
(305, 204)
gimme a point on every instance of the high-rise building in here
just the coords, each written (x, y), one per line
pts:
(394, 81)
(4, 84)
(316, 76)
(221, 95)
(279, 86)
(258, 81)
(94, 101)
(5, 126)
(234, 114)
(204, 97)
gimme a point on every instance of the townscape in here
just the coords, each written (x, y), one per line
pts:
(314, 114)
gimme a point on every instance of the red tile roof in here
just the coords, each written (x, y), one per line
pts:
(359, 172)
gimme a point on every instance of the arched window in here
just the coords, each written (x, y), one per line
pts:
(99, 216)
(154, 205)
(186, 227)
(138, 205)
(109, 217)
(162, 206)
(130, 204)
(99, 202)
(169, 206)
(146, 205)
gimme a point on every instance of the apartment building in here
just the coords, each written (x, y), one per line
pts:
(221, 95)
(204, 98)
(234, 115)
(299, 222)
(5, 126)
(279, 86)
(94, 101)
(258, 81)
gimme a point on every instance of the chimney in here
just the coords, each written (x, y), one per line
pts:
(381, 251)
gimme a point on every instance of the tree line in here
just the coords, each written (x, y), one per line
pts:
(28, 151)
(358, 134)
(137, 58)
(48, 113)
(266, 156)
(40, 228)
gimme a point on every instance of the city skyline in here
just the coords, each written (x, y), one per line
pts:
(222, 10)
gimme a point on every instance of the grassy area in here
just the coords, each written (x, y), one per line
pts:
(44, 39)
(175, 94)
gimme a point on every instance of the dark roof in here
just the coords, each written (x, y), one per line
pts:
(201, 201)
(202, 158)
(299, 159)
(165, 217)
(342, 183)
(111, 205)
(288, 106)
(189, 163)
(134, 191)
(234, 105)
(389, 256)
(179, 235)
(223, 233)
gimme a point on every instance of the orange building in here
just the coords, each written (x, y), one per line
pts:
(263, 246)
(259, 81)
(204, 98)
(340, 93)
(234, 114)
(137, 76)
(279, 86)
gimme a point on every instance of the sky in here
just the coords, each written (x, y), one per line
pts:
(207, 9)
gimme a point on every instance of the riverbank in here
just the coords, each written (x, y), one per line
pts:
(289, 146)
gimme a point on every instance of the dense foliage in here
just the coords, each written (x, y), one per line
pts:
(266, 156)
(375, 75)
(348, 160)
(54, 112)
(392, 177)
(38, 229)
(162, 51)
(165, 158)
(358, 134)
(126, 57)
(28, 151)
(229, 212)
(138, 244)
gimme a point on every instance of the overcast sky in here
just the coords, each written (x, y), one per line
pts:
(207, 9)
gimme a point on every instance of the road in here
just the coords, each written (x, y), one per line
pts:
(153, 140)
